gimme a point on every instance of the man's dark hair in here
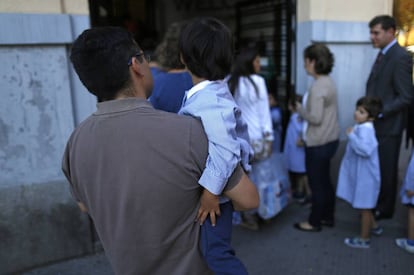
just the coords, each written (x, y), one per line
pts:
(324, 59)
(100, 57)
(372, 104)
(387, 22)
(206, 46)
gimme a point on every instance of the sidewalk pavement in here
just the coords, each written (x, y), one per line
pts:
(278, 248)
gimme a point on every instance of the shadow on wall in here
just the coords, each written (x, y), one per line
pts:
(40, 223)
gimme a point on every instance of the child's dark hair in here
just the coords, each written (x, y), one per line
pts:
(372, 104)
(206, 47)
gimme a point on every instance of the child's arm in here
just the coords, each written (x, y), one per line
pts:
(218, 117)
(362, 141)
(244, 195)
(409, 193)
(297, 123)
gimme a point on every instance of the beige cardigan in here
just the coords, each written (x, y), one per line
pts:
(321, 112)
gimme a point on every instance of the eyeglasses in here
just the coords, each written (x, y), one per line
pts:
(138, 56)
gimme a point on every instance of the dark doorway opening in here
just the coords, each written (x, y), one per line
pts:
(137, 16)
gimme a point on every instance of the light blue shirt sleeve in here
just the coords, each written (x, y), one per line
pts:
(409, 175)
(362, 140)
(216, 109)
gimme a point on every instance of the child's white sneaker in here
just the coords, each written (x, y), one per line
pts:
(377, 231)
(402, 243)
(357, 242)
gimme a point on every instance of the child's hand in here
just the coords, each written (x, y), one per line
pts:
(298, 105)
(349, 130)
(409, 193)
(209, 204)
(267, 148)
(300, 143)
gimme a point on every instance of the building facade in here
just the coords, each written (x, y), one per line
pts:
(344, 29)
(43, 100)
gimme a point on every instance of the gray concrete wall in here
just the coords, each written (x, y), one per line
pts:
(39, 221)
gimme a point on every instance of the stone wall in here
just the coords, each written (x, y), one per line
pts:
(42, 101)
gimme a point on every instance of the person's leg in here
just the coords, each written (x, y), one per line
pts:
(293, 183)
(375, 228)
(300, 184)
(363, 241)
(298, 189)
(329, 199)
(249, 220)
(315, 170)
(304, 179)
(216, 247)
(323, 193)
(411, 223)
(389, 152)
(408, 243)
(366, 223)
(374, 223)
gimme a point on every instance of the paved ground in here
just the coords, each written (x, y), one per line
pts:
(277, 248)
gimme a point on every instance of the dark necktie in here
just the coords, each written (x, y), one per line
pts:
(377, 62)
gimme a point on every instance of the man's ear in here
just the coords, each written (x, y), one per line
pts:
(182, 60)
(391, 32)
(136, 66)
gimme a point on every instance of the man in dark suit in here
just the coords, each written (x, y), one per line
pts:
(391, 80)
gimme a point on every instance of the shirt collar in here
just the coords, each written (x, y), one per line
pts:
(120, 105)
(198, 87)
(386, 48)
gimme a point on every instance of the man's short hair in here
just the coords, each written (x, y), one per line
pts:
(206, 46)
(100, 57)
(387, 22)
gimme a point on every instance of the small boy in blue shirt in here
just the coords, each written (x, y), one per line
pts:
(206, 49)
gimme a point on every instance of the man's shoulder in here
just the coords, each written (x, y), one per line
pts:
(149, 116)
(325, 85)
(81, 125)
(183, 123)
(178, 120)
(398, 51)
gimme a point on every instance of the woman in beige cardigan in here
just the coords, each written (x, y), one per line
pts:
(321, 134)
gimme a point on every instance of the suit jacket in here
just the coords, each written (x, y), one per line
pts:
(392, 82)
